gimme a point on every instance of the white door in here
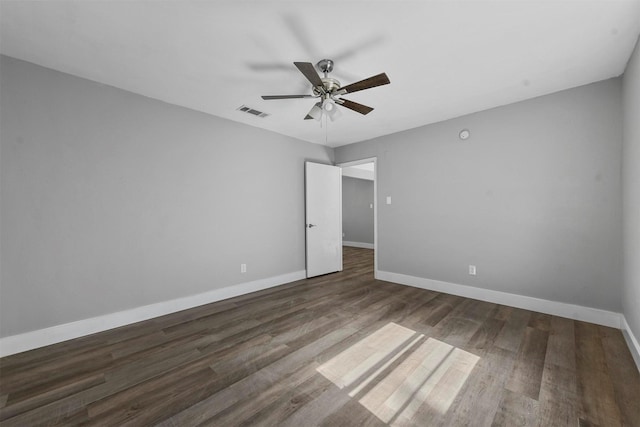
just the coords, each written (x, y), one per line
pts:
(323, 202)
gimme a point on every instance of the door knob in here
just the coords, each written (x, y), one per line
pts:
(311, 225)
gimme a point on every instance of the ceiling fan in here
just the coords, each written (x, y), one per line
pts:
(329, 91)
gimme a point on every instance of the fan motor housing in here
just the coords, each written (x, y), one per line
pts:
(330, 85)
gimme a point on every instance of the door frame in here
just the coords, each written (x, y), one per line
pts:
(373, 160)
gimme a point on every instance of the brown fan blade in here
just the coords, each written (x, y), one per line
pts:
(362, 109)
(379, 80)
(309, 72)
(267, 97)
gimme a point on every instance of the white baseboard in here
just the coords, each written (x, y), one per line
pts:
(358, 245)
(632, 342)
(570, 311)
(55, 334)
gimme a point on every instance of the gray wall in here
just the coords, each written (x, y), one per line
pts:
(631, 186)
(533, 198)
(357, 216)
(112, 201)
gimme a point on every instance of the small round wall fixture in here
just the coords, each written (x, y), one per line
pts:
(464, 134)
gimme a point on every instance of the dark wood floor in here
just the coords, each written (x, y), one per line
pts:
(337, 350)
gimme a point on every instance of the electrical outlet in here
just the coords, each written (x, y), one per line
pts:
(472, 270)
(243, 268)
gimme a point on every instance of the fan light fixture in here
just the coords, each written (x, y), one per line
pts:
(333, 113)
(329, 108)
(316, 112)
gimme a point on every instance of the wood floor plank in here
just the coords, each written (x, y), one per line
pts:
(352, 414)
(464, 321)
(503, 312)
(526, 376)
(516, 410)
(346, 368)
(248, 408)
(18, 383)
(624, 378)
(117, 380)
(288, 402)
(340, 349)
(437, 399)
(595, 386)
(511, 336)
(485, 335)
(328, 402)
(540, 321)
(478, 401)
(561, 347)
(438, 308)
(128, 404)
(559, 401)
(39, 396)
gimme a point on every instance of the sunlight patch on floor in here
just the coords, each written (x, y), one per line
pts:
(395, 371)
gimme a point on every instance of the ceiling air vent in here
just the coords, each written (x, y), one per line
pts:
(252, 111)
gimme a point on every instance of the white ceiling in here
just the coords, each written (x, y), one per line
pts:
(444, 58)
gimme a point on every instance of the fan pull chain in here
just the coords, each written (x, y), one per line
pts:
(326, 129)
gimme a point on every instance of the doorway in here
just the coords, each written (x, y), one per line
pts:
(359, 206)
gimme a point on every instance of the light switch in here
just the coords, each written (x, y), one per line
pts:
(370, 205)
(388, 200)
